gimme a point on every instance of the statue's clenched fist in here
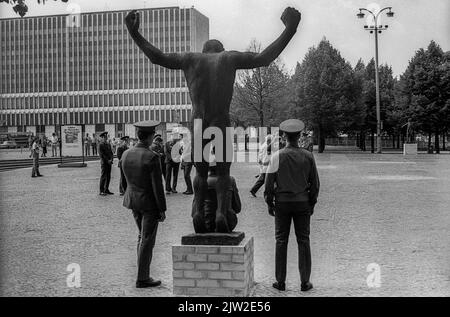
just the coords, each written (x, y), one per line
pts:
(291, 18)
(132, 21)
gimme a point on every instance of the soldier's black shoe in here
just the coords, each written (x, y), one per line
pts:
(174, 191)
(281, 286)
(102, 194)
(33, 176)
(306, 287)
(40, 175)
(109, 193)
(188, 193)
(168, 192)
(148, 283)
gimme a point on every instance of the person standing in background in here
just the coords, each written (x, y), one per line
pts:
(54, 144)
(94, 145)
(263, 161)
(306, 142)
(44, 146)
(87, 145)
(158, 147)
(106, 159)
(35, 147)
(186, 164)
(120, 150)
(172, 166)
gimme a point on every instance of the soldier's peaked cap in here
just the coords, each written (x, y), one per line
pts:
(103, 134)
(292, 126)
(149, 125)
(124, 138)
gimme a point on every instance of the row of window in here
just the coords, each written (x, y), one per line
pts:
(86, 101)
(91, 79)
(101, 20)
(99, 117)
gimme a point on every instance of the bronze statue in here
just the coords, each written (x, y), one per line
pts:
(410, 134)
(210, 77)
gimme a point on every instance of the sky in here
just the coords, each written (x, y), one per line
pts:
(237, 22)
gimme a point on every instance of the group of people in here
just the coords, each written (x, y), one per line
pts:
(291, 184)
(275, 142)
(289, 199)
(38, 145)
(170, 161)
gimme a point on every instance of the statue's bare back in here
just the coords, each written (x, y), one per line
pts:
(210, 77)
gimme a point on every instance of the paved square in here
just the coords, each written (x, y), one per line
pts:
(383, 209)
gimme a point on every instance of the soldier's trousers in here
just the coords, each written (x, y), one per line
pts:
(300, 214)
(147, 223)
(35, 169)
(123, 182)
(105, 177)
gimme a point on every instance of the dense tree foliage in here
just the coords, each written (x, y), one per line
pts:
(423, 92)
(327, 93)
(260, 95)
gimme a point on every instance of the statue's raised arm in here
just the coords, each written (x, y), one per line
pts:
(156, 56)
(246, 60)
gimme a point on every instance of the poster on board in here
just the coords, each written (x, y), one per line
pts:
(71, 140)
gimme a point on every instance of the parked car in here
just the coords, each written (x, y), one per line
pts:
(8, 145)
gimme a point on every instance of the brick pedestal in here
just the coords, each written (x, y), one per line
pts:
(213, 270)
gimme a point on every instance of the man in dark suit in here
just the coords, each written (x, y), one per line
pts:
(106, 160)
(120, 150)
(172, 166)
(145, 197)
(292, 188)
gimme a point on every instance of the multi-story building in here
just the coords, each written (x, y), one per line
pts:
(86, 70)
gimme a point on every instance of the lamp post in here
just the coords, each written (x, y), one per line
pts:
(377, 29)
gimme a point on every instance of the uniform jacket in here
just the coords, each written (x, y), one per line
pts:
(120, 150)
(292, 176)
(142, 170)
(105, 151)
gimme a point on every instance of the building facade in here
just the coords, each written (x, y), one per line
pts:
(86, 70)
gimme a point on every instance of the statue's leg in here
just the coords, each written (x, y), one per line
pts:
(200, 191)
(223, 197)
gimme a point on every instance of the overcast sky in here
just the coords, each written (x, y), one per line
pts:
(237, 22)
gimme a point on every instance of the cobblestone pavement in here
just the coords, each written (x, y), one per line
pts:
(383, 209)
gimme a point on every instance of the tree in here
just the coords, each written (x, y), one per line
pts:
(369, 98)
(260, 94)
(20, 7)
(326, 92)
(424, 92)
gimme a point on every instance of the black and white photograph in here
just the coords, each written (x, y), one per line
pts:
(226, 154)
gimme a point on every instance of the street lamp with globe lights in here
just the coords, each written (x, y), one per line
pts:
(376, 29)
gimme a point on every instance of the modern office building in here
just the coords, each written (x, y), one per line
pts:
(86, 70)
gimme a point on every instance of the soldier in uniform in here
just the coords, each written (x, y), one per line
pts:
(292, 188)
(120, 150)
(145, 197)
(106, 159)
